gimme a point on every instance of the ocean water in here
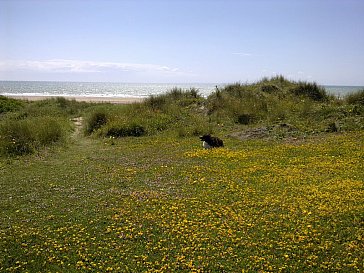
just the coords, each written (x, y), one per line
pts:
(119, 90)
(96, 89)
(340, 90)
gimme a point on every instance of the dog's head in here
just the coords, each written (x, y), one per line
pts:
(206, 138)
(211, 142)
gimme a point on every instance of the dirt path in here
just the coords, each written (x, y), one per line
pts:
(78, 122)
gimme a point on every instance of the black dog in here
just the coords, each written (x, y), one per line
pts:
(211, 142)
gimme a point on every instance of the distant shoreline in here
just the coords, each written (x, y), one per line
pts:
(114, 100)
(98, 92)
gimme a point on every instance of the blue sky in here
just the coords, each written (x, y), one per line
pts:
(182, 41)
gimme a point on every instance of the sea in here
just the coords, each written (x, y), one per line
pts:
(121, 90)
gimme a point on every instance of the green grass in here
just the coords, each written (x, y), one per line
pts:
(9, 105)
(154, 204)
(356, 98)
(158, 202)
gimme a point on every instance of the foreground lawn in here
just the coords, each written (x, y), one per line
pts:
(152, 204)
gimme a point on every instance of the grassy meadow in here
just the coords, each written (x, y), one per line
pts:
(129, 188)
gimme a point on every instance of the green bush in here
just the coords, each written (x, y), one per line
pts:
(242, 104)
(270, 88)
(96, 120)
(269, 100)
(176, 96)
(125, 130)
(130, 120)
(355, 98)
(156, 102)
(55, 107)
(310, 90)
(192, 125)
(10, 105)
(48, 130)
(16, 137)
(157, 122)
(245, 119)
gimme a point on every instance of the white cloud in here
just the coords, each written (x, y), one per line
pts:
(78, 66)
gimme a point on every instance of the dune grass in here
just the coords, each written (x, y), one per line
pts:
(158, 202)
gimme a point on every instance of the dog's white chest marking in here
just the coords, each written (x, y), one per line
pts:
(206, 145)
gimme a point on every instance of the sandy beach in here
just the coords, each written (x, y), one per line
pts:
(115, 100)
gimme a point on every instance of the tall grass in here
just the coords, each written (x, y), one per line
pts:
(18, 137)
(26, 127)
(10, 105)
(269, 100)
(176, 96)
(311, 91)
(355, 98)
(95, 120)
(126, 120)
(176, 110)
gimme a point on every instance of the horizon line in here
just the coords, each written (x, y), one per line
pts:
(171, 83)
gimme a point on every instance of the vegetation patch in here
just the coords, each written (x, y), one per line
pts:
(153, 204)
(125, 130)
(96, 119)
(311, 91)
(9, 105)
(356, 98)
(285, 194)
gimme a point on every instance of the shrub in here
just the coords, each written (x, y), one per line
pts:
(156, 102)
(16, 138)
(55, 107)
(245, 119)
(9, 105)
(48, 130)
(355, 98)
(237, 90)
(240, 103)
(95, 120)
(71, 107)
(157, 122)
(279, 81)
(179, 93)
(270, 88)
(124, 130)
(332, 127)
(176, 96)
(193, 125)
(310, 90)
